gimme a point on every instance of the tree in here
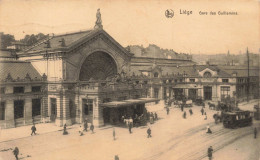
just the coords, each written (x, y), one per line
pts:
(32, 39)
(6, 40)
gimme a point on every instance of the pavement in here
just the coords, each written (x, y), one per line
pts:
(172, 138)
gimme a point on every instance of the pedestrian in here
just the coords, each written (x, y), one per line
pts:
(130, 128)
(202, 111)
(184, 115)
(81, 131)
(149, 132)
(182, 106)
(33, 130)
(205, 118)
(156, 116)
(114, 134)
(210, 150)
(168, 110)
(255, 132)
(190, 110)
(65, 129)
(16, 152)
(208, 130)
(92, 127)
(86, 125)
(116, 157)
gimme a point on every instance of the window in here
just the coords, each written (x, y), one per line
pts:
(207, 75)
(36, 88)
(225, 91)
(145, 82)
(18, 89)
(2, 111)
(18, 109)
(192, 80)
(156, 75)
(225, 80)
(88, 106)
(181, 80)
(36, 107)
(2, 90)
(175, 80)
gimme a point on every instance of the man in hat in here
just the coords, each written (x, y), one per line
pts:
(33, 130)
(167, 110)
(255, 132)
(210, 150)
(114, 133)
(16, 152)
(149, 132)
(92, 127)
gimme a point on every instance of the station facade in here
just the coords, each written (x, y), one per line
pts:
(87, 75)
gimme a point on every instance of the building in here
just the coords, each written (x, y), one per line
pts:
(88, 75)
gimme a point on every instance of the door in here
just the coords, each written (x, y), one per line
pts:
(207, 93)
(53, 109)
(192, 94)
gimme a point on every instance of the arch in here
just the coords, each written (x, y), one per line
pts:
(98, 66)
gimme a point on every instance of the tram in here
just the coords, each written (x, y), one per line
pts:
(237, 119)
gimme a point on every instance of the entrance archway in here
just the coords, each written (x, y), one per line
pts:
(98, 66)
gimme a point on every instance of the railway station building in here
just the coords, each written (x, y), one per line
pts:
(88, 75)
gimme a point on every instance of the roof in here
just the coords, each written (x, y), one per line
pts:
(7, 54)
(186, 86)
(55, 41)
(17, 69)
(241, 71)
(68, 42)
(129, 102)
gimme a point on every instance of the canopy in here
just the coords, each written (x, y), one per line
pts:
(186, 86)
(128, 102)
(155, 107)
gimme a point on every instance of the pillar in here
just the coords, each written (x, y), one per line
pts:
(66, 111)
(161, 92)
(9, 114)
(97, 113)
(28, 111)
(45, 111)
(58, 120)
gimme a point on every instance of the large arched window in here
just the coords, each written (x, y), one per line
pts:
(98, 66)
(207, 75)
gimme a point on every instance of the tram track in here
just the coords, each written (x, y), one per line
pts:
(193, 145)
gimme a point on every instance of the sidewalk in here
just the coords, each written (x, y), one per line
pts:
(248, 105)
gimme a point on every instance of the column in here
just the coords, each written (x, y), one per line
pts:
(76, 100)
(58, 120)
(66, 111)
(45, 116)
(9, 114)
(97, 113)
(161, 93)
(28, 111)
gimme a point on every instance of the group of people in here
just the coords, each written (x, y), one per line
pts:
(85, 128)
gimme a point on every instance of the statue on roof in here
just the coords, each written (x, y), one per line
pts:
(98, 24)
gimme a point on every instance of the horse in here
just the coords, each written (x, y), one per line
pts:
(211, 106)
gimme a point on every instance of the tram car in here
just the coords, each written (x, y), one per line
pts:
(237, 119)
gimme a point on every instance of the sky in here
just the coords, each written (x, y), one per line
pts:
(143, 22)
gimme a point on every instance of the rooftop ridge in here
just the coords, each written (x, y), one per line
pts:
(72, 32)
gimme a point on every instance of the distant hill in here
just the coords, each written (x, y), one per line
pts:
(153, 51)
(226, 59)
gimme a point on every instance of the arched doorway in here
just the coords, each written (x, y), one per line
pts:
(98, 66)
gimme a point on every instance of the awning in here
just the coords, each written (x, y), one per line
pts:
(128, 102)
(186, 86)
(155, 107)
